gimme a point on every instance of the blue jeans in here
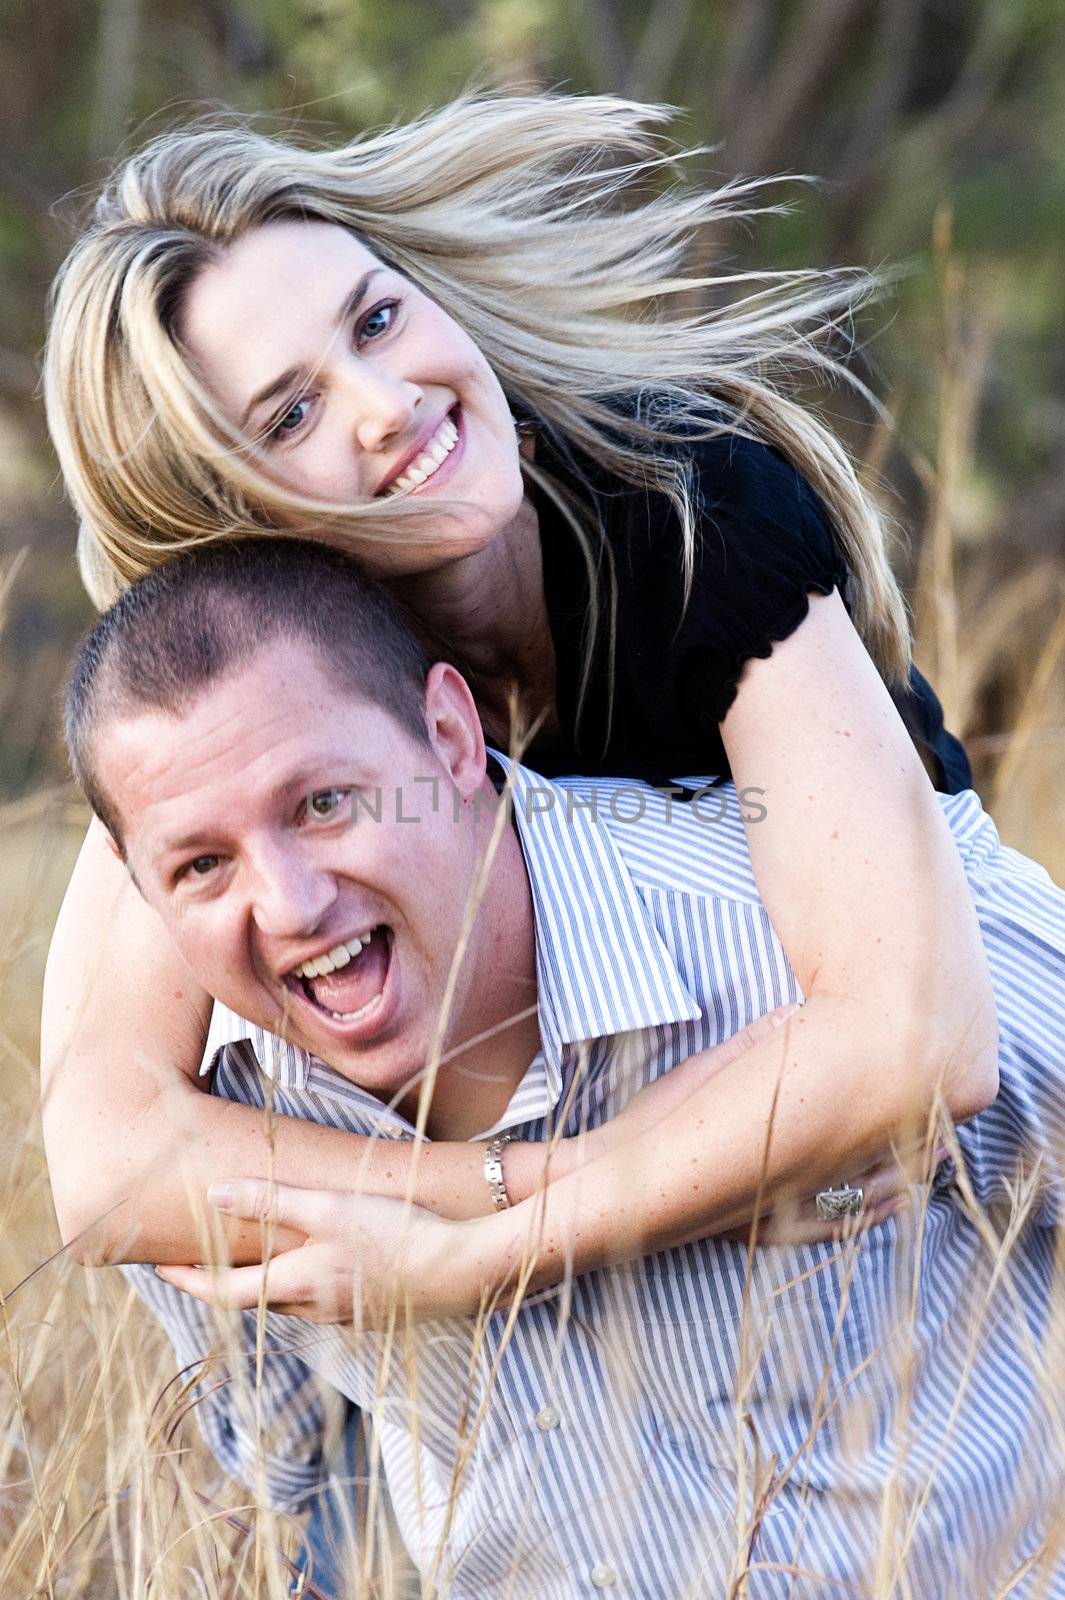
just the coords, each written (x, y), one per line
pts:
(329, 1538)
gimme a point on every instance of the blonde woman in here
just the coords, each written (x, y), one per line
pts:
(464, 349)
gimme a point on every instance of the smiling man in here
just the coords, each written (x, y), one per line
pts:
(342, 940)
(306, 803)
(310, 907)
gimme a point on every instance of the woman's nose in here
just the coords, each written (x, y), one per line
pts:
(383, 407)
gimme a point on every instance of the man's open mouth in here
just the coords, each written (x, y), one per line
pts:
(348, 981)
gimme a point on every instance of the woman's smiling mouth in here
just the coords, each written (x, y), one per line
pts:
(429, 458)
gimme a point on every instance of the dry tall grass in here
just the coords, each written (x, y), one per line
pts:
(106, 1489)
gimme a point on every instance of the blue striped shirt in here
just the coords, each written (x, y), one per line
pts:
(828, 1419)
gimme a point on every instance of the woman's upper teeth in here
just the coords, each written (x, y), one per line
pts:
(339, 956)
(437, 450)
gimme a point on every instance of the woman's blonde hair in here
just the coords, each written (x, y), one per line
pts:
(544, 226)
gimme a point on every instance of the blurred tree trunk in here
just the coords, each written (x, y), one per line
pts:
(745, 59)
(643, 72)
(777, 111)
(863, 165)
(116, 68)
(658, 50)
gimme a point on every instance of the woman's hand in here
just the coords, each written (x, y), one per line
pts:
(887, 1189)
(363, 1257)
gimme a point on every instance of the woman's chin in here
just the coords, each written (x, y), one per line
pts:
(451, 540)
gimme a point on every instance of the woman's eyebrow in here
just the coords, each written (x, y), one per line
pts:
(351, 304)
(290, 376)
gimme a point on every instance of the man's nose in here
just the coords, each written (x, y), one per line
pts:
(290, 897)
(383, 406)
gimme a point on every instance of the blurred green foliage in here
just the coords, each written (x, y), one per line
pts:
(900, 108)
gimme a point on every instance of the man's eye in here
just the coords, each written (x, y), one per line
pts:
(198, 867)
(326, 803)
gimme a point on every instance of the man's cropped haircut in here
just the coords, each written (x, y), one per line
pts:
(207, 612)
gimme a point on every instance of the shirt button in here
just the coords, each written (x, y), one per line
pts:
(547, 1419)
(603, 1577)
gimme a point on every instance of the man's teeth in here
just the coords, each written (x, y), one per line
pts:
(333, 959)
(353, 1016)
(436, 451)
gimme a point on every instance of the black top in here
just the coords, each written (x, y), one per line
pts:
(763, 544)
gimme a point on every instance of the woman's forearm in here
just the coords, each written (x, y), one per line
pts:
(798, 1111)
(185, 1140)
(190, 1140)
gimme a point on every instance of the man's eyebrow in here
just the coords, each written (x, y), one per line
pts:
(291, 376)
(187, 841)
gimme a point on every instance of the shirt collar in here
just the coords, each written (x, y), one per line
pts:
(602, 967)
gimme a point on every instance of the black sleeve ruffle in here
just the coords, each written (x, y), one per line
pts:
(763, 545)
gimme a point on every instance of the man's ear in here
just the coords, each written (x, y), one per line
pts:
(454, 728)
(116, 850)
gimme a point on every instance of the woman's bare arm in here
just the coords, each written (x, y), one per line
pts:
(861, 878)
(868, 895)
(857, 868)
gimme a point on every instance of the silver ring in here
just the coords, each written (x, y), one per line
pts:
(835, 1204)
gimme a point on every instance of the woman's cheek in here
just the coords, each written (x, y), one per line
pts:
(323, 472)
(317, 462)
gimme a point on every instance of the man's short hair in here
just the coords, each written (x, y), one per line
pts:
(208, 611)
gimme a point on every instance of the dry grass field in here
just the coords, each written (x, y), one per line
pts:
(107, 1491)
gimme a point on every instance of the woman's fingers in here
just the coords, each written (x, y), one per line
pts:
(796, 1229)
(236, 1287)
(761, 1028)
(892, 1179)
(288, 1284)
(888, 1187)
(305, 1209)
(881, 1184)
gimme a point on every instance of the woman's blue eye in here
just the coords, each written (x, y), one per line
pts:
(378, 321)
(293, 418)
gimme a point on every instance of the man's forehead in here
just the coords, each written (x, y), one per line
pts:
(261, 729)
(282, 692)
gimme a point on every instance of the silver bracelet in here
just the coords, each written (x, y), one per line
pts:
(493, 1170)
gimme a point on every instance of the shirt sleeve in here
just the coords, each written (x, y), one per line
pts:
(1016, 1148)
(270, 1440)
